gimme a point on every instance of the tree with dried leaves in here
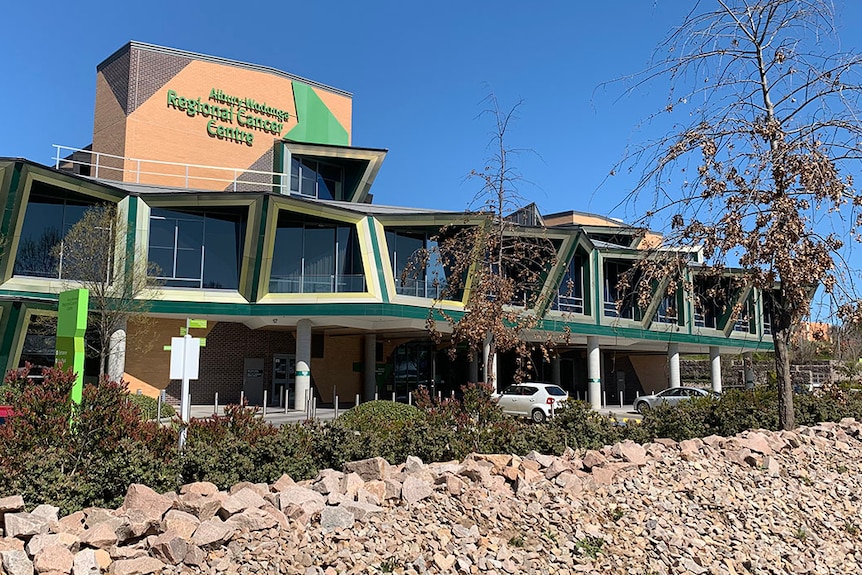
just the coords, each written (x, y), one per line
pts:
(494, 261)
(758, 167)
(94, 255)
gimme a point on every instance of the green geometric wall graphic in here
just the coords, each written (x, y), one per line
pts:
(316, 125)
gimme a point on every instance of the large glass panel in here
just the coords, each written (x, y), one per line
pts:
(197, 249)
(570, 295)
(41, 233)
(162, 232)
(319, 257)
(164, 259)
(222, 257)
(329, 182)
(286, 273)
(308, 178)
(46, 222)
(311, 258)
(617, 303)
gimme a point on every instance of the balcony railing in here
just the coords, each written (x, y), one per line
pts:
(306, 283)
(173, 174)
(420, 288)
(569, 304)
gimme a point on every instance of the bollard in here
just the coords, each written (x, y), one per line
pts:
(215, 404)
(242, 398)
(393, 397)
(336, 407)
(159, 408)
(375, 396)
(439, 397)
(453, 394)
(621, 400)
(356, 401)
(314, 408)
(604, 399)
(410, 398)
(264, 404)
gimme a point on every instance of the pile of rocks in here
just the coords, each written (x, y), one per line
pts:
(761, 502)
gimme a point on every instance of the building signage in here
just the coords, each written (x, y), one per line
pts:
(231, 118)
(71, 325)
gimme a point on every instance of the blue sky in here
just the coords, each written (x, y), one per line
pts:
(418, 71)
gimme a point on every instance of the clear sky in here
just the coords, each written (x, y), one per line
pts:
(418, 71)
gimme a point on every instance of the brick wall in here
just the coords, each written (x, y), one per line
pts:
(228, 344)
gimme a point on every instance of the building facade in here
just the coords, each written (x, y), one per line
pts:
(240, 184)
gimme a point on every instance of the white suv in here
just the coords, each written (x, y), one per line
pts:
(534, 400)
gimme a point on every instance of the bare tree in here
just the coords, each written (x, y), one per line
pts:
(756, 168)
(94, 255)
(494, 260)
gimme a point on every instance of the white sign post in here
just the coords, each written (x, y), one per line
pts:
(185, 365)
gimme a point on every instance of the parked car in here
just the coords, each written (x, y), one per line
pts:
(670, 396)
(534, 400)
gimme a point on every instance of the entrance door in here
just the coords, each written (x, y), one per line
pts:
(283, 374)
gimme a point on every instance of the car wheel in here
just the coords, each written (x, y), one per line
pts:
(642, 407)
(538, 416)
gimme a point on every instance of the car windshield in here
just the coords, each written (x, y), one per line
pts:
(554, 390)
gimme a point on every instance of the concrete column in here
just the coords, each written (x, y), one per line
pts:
(748, 359)
(303, 354)
(673, 364)
(594, 373)
(474, 369)
(555, 369)
(117, 355)
(369, 379)
(715, 368)
(489, 362)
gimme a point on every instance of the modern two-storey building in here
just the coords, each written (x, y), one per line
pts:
(240, 184)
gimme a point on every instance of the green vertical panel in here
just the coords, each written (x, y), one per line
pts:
(131, 230)
(378, 259)
(12, 209)
(260, 241)
(11, 331)
(71, 325)
(317, 125)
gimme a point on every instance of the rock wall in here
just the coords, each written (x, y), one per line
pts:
(761, 502)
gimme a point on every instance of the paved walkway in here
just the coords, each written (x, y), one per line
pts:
(280, 416)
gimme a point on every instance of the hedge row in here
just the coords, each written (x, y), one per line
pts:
(50, 453)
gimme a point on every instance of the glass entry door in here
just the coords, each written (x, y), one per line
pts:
(283, 377)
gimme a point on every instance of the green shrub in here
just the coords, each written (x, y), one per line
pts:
(372, 429)
(149, 406)
(292, 450)
(370, 416)
(87, 456)
(829, 403)
(695, 417)
(221, 449)
(741, 409)
(581, 427)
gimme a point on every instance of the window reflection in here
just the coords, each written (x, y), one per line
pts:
(197, 249)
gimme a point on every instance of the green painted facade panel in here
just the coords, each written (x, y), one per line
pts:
(317, 124)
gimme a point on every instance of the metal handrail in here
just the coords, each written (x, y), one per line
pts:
(185, 177)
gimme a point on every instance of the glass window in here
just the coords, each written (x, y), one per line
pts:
(311, 177)
(570, 295)
(618, 303)
(197, 250)
(316, 258)
(46, 221)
